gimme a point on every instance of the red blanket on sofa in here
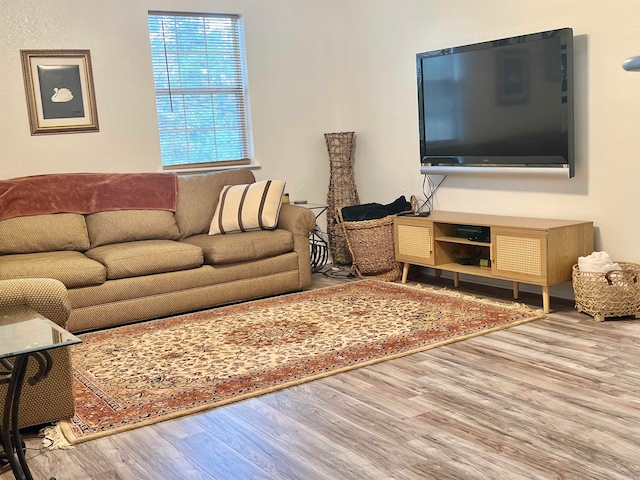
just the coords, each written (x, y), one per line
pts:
(87, 193)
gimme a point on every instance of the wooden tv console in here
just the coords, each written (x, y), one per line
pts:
(537, 251)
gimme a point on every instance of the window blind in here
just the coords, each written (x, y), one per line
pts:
(201, 92)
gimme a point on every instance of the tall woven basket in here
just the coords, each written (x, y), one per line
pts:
(370, 243)
(611, 294)
(342, 190)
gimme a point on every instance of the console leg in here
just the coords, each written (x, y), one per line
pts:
(545, 298)
(438, 273)
(405, 272)
(456, 279)
(516, 290)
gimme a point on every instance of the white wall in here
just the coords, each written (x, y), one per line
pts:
(294, 52)
(119, 46)
(318, 66)
(382, 41)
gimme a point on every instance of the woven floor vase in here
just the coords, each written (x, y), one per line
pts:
(342, 191)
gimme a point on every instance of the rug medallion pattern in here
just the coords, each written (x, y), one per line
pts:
(143, 373)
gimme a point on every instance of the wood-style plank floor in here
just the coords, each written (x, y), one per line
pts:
(553, 399)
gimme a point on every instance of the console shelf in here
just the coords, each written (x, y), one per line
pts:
(530, 250)
(462, 241)
(466, 269)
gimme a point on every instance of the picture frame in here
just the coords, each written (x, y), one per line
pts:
(59, 89)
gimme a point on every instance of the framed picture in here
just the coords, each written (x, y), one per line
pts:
(59, 89)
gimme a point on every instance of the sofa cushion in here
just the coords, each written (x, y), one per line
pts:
(120, 226)
(43, 233)
(133, 259)
(242, 246)
(248, 207)
(198, 198)
(71, 268)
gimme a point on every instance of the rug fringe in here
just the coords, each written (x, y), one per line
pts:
(53, 439)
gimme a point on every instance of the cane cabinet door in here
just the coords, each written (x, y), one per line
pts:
(519, 254)
(414, 240)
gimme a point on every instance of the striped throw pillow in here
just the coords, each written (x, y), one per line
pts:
(248, 207)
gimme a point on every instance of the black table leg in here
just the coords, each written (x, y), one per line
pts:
(11, 439)
(319, 250)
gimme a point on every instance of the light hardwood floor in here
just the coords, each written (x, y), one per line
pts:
(553, 399)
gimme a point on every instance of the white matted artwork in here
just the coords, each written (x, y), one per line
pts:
(59, 90)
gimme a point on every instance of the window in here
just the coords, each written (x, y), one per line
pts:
(201, 90)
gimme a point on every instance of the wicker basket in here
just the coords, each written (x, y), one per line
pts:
(612, 294)
(370, 243)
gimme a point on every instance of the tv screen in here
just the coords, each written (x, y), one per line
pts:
(503, 103)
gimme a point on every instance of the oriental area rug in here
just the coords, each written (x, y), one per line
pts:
(136, 375)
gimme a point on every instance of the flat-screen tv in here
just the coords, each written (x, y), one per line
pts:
(498, 105)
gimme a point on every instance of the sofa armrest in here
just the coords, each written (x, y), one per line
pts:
(300, 221)
(46, 296)
(52, 398)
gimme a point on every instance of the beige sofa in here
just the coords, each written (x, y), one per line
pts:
(129, 265)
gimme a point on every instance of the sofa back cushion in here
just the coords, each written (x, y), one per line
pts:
(43, 233)
(198, 198)
(120, 226)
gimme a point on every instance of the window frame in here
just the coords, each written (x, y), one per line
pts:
(246, 142)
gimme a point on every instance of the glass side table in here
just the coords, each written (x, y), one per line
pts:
(24, 333)
(318, 245)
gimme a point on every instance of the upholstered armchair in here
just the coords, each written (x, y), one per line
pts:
(50, 399)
